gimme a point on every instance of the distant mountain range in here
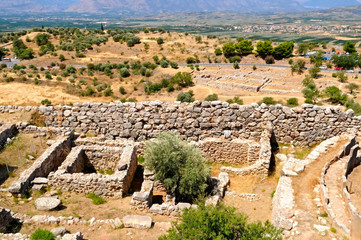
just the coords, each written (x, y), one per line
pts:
(324, 4)
(152, 7)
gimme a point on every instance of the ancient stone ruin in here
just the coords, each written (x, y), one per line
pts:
(245, 138)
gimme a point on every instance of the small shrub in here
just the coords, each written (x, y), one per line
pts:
(270, 60)
(122, 90)
(235, 100)
(186, 97)
(108, 92)
(292, 102)
(268, 101)
(173, 65)
(97, 200)
(140, 159)
(324, 215)
(46, 102)
(333, 230)
(211, 97)
(42, 234)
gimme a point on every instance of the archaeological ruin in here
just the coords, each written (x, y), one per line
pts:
(97, 148)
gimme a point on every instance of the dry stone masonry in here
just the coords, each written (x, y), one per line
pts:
(73, 175)
(304, 125)
(47, 162)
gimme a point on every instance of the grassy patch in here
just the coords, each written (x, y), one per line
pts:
(97, 200)
(324, 215)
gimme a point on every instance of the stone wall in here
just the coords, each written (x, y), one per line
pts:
(264, 159)
(304, 125)
(69, 176)
(103, 157)
(50, 160)
(7, 131)
(351, 149)
(353, 162)
(237, 151)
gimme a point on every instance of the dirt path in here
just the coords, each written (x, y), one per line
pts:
(304, 186)
(333, 181)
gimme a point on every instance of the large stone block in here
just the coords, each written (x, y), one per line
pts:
(137, 221)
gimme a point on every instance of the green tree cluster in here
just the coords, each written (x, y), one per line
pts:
(179, 165)
(219, 223)
(21, 50)
(241, 48)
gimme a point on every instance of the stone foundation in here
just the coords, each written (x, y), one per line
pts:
(70, 175)
(237, 151)
(262, 164)
(49, 161)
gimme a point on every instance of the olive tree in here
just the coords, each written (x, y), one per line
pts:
(179, 165)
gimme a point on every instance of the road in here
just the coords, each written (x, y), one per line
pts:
(17, 61)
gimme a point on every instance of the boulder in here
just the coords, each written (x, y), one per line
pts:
(59, 231)
(137, 221)
(75, 236)
(47, 203)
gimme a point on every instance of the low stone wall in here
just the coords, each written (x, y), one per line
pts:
(103, 157)
(283, 203)
(237, 151)
(143, 200)
(7, 131)
(70, 178)
(353, 162)
(262, 165)
(50, 160)
(351, 149)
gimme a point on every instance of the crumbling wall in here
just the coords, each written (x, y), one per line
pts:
(237, 151)
(50, 160)
(262, 165)
(7, 131)
(70, 178)
(103, 157)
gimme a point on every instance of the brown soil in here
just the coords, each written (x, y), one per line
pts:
(355, 179)
(14, 156)
(303, 186)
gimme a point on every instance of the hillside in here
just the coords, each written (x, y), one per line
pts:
(324, 4)
(163, 6)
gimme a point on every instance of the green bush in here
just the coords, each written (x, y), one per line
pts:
(292, 102)
(164, 63)
(335, 95)
(97, 200)
(46, 102)
(268, 101)
(211, 97)
(41, 234)
(122, 90)
(219, 222)
(179, 165)
(152, 87)
(270, 60)
(174, 65)
(108, 92)
(186, 97)
(124, 72)
(356, 107)
(235, 100)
